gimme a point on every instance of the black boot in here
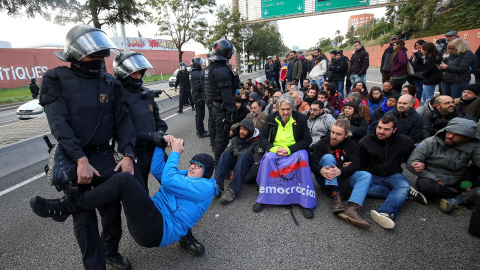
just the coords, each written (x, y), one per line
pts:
(120, 262)
(191, 244)
(45, 208)
(203, 134)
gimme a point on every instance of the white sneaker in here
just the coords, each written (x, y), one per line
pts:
(383, 219)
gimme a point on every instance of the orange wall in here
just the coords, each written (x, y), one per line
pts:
(18, 66)
(376, 52)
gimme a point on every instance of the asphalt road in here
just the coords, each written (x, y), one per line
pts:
(237, 238)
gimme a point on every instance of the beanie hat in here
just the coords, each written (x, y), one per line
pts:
(352, 104)
(395, 97)
(475, 88)
(207, 163)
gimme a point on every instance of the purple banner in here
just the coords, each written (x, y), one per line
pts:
(286, 180)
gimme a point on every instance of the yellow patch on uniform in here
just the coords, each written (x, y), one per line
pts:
(150, 107)
(103, 98)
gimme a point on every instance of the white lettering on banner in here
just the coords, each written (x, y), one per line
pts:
(22, 73)
(304, 191)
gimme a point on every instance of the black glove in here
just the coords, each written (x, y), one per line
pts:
(157, 138)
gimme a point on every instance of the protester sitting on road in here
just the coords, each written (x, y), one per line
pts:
(410, 123)
(242, 155)
(284, 176)
(256, 115)
(363, 89)
(322, 97)
(356, 96)
(428, 106)
(469, 95)
(152, 222)
(358, 124)
(386, 106)
(336, 164)
(441, 163)
(472, 112)
(319, 122)
(444, 110)
(412, 91)
(334, 98)
(381, 154)
(242, 110)
(301, 106)
(273, 100)
(311, 96)
(387, 89)
(375, 99)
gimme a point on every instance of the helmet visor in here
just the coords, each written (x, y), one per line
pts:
(133, 64)
(89, 43)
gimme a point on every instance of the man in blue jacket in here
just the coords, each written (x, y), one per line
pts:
(181, 201)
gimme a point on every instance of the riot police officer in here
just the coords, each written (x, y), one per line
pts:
(34, 88)
(198, 95)
(84, 109)
(129, 68)
(211, 121)
(220, 86)
(183, 79)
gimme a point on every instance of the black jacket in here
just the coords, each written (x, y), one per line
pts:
(431, 74)
(358, 126)
(359, 62)
(339, 69)
(409, 123)
(433, 121)
(301, 133)
(386, 65)
(346, 151)
(183, 79)
(460, 67)
(241, 114)
(384, 157)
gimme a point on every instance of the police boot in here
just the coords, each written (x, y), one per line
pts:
(203, 134)
(191, 244)
(118, 261)
(45, 208)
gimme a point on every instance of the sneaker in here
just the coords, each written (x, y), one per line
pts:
(308, 213)
(220, 191)
(118, 261)
(415, 195)
(227, 196)
(257, 207)
(383, 219)
(49, 208)
(447, 205)
(191, 244)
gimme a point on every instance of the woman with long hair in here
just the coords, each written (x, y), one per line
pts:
(399, 66)
(375, 99)
(417, 63)
(458, 69)
(361, 85)
(358, 123)
(431, 74)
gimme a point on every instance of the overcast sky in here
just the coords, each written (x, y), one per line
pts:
(22, 32)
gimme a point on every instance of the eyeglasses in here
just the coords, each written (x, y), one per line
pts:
(197, 165)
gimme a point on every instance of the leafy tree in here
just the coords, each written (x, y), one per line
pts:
(30, 7)
(103, 12)
(182, 19)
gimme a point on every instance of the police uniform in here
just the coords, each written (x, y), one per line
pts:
(198, 98)
(212, 131)
(145, 116)
(183, 79)
(85, 108)
(219, 80)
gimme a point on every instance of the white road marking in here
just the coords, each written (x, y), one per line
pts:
(31, 179)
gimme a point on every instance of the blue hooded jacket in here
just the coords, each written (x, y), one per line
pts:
(182, 200)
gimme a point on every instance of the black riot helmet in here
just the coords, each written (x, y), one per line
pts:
(83, 40)
(222, 50)
(182, 66)
(33, 80)
(197, 62)
(130, 62)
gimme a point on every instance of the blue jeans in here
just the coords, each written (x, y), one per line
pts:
(359, 181)
(340, 88)
(454, 89)
(240, 166)
(428, 92)
(355, 78)
(394, 189)
(318, 82)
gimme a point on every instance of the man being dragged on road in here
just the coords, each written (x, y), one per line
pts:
(152, 222)
(284, 176)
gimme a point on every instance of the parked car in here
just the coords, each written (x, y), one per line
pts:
(29, 110)
(173, 78)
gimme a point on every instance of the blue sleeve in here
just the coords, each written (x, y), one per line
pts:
(158, 163)
(176, 182)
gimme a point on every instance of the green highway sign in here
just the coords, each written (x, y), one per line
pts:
(276, 8)
(322, 5)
